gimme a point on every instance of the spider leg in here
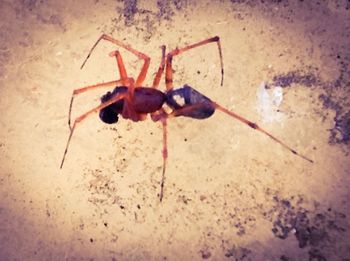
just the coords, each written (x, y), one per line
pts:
(256, 127)
(83, 116)
(121, 66)
(160, 69)
(165, 155)
(128, 108)
(91, 87)
(189, 110)
(169, 58)
(162, 116)
(142, 75)
(124, 77)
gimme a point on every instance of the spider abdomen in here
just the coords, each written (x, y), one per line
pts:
(190, 103)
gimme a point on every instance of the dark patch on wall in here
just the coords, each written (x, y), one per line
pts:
(314, 229)
(30, 4)
(341, 131)
(164, 9)
(205, 252)
(344, 72)
(329, 103)
(257, 2)
(234, 252)
(35, 7)
(145, 21)
(295, 77)
(130, 9)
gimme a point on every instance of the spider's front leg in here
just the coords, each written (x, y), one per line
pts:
(142, 75)
(128, 113)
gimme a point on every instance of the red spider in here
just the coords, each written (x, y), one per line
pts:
(134, 101)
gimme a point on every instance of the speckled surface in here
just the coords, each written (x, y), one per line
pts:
(230, 193)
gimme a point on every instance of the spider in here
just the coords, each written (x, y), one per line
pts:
(133, 101)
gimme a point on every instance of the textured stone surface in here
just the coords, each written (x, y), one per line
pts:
(230, 192)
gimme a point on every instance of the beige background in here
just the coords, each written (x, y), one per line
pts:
(231, 193)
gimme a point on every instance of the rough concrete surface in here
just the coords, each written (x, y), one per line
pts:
(231, 193)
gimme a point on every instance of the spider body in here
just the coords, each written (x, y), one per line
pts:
(149, 100)
(133, 101)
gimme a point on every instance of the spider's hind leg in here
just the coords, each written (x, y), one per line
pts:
(258, 128)
(188, 102)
